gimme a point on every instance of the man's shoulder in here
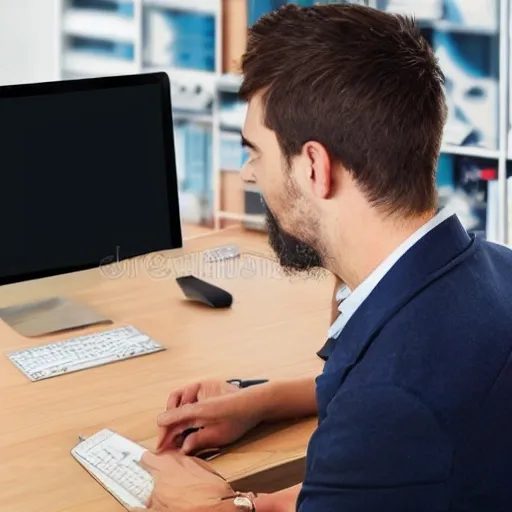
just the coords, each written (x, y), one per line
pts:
(473, 296)
(497, 249)
(455, 335)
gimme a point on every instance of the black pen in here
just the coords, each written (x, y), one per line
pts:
(247, 383)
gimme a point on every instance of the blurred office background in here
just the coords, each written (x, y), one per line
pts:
(199, 44)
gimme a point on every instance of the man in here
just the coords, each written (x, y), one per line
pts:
(344, 127)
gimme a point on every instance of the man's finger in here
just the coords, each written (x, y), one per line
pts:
(162, 433)
(189, 396)
(173, 438)
(173, 401)
(149, 501)
(204, 438)
(150, 462)
(181, 397)
(190, 413)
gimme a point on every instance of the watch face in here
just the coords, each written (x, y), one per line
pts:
(243, 503)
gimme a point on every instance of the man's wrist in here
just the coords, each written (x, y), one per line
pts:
(279, 501)
(263, 401)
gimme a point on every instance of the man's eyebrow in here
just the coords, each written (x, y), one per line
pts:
(247, 143)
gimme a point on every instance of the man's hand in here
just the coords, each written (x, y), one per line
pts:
(224, 419)
(190, 394)
(214, 421)
(183, 484)
(199, 391)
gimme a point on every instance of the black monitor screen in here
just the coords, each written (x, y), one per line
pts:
(87, 172)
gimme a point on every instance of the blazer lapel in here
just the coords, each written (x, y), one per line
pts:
(435, 254)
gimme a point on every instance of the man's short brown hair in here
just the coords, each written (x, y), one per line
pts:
(363, 83)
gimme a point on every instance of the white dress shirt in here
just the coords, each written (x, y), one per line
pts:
(351, 300)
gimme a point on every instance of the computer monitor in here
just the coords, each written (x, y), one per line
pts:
(87, 174)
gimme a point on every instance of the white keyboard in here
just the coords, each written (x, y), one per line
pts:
(113, 461)
(83, 352)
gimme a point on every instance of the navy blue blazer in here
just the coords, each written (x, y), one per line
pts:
(415, 400)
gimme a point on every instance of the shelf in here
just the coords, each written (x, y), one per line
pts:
(188, 76)
(208, 99)
(448, 26)
(196, 117)
(203, 6)
(470, 151)
(229, 83)
(251, 187)
(229, 169)
(242, 217)
(233, 128)
(83, 64)
(192, 91)
(99, 25)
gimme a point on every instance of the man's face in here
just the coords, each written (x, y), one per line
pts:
(291, 222)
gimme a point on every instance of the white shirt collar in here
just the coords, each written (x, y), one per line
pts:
(350, 301)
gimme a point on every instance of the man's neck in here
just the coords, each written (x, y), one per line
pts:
(369, 242)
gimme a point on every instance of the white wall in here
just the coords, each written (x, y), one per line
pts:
(28, 41)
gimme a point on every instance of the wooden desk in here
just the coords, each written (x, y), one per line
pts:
(272, 330)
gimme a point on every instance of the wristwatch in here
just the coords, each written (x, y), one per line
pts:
(243, 501)
(246, 383)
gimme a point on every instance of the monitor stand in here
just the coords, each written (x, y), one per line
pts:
(51, 315)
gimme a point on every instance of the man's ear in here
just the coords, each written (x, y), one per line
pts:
(320, 169)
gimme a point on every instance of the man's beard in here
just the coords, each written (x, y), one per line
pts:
(294, 254)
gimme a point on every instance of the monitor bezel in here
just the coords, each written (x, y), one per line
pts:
(108, 82)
